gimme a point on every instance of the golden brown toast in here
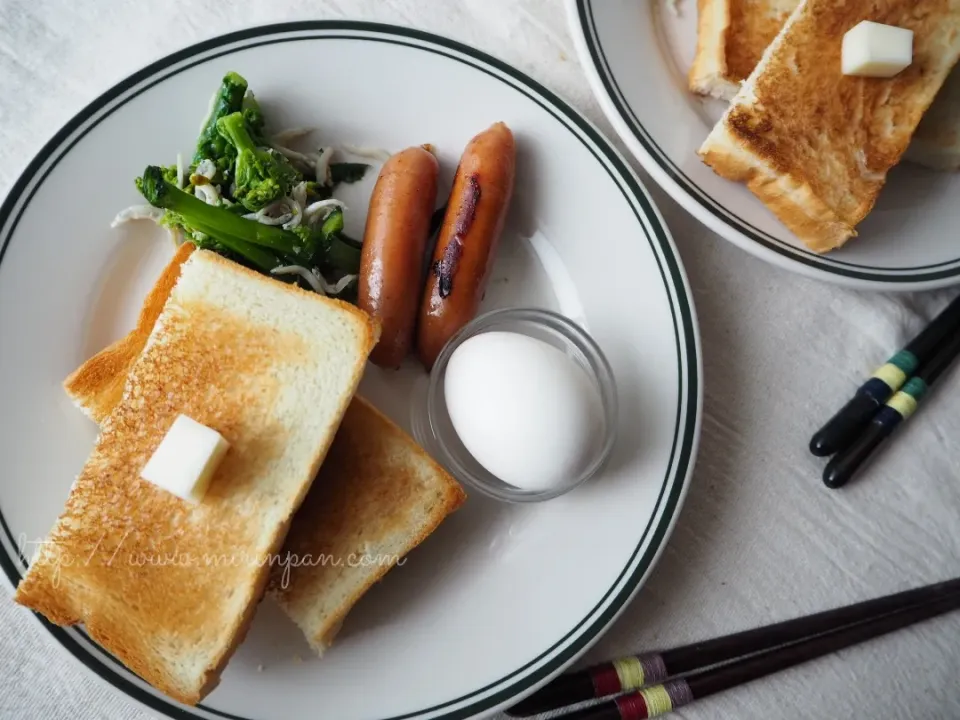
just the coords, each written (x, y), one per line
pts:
(377, 497)
(378, 494)
(167, 586)
(814, 145)
(731, 38)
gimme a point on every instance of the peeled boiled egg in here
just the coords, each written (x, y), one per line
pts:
(524, 409)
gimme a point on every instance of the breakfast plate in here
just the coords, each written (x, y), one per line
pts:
(637, 55)
(502, 596)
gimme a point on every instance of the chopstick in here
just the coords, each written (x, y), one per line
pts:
(673, 694)
(632, 673)
(841, 430)
(845, 464)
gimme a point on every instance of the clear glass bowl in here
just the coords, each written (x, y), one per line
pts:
(434, 430)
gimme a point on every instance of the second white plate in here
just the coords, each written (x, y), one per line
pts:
(636, 55)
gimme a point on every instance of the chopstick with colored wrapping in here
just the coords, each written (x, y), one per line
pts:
(845, 464)
(673, 694)
(632, 673)
(840, 430)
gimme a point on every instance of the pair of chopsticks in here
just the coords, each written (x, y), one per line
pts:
(657, 683)
(887, 399)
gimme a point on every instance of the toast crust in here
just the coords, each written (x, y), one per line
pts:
(100, 380)
(795, 204)
(709, 74)
(815, 145)
(173, 622)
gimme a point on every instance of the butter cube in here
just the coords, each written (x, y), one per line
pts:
(186, 459)
(874, 50)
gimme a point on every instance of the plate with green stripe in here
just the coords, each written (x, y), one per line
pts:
(501, 597)
(637, 56)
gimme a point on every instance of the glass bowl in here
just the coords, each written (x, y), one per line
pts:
(434, 430)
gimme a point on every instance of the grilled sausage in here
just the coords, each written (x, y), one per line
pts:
(394, 242)
(468, 239)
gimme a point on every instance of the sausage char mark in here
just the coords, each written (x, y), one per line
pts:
(446, 267)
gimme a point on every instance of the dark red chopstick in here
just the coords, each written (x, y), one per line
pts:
(632, 673)
(664, 698)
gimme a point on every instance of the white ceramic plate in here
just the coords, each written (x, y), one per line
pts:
(637, 53)
(502, 597)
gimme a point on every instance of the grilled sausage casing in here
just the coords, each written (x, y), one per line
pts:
(394, 242)
(468, 240)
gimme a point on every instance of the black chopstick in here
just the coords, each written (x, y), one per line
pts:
(669, 696)
(845, 464)
(632, 673)
(850, 420)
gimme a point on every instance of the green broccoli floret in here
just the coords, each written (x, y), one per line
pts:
(261, 176)
(265, 247)
(228, 100)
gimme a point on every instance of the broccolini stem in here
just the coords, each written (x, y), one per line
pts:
(218, 222)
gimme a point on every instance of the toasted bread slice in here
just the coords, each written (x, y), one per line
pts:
(731, 38)
(378, 494)
(815, 145)
(167, 586)
(377, 497)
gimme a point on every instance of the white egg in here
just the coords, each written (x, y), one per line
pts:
(523, 408)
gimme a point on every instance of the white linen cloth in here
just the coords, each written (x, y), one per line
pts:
(759, 539)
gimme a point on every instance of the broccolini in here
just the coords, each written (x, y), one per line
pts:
(261, 175)
(211, 144)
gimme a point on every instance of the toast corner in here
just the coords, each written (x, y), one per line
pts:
(794, 202)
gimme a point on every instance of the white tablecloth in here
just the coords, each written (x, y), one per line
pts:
(759, 539)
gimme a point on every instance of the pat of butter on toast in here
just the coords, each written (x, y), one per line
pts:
(186, 459)
(874, 50)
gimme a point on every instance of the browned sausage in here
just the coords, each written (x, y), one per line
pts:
(394, 241)
(468, 239)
